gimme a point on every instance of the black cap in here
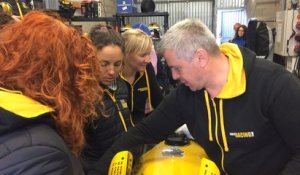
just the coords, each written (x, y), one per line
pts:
(177, 140)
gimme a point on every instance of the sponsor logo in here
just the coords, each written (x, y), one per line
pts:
(242, 134)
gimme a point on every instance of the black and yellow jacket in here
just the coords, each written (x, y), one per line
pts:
(145, 88)
(251, 127)
(105, 130)
(28, 143)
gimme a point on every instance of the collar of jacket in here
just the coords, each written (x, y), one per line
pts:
(23, 106)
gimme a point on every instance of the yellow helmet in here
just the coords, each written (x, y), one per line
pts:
(176, 158)
(153, 26)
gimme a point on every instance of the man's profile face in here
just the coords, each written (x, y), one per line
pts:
(184, 70)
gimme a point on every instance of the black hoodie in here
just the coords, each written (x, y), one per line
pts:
(251, 127)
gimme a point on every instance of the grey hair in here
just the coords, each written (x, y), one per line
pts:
(186, 36)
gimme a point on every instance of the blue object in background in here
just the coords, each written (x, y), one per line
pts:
(143, 27)
(126, 6)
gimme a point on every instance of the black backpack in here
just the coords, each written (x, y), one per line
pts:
(260, 39)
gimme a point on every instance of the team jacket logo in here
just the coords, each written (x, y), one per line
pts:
(143, 89)
(124, 103)
(242, 134)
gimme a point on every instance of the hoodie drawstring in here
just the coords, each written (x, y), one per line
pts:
(222, 126)
(225, 144)
(208, 116)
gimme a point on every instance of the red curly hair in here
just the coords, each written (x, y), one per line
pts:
(52, 63)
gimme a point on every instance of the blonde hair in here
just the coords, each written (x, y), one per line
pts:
(136, 41)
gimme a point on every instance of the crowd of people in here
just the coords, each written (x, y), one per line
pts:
(69, 102)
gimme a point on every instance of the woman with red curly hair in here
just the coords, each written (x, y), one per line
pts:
(48, 91)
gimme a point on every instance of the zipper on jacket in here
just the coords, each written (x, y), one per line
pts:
(132, 91)
(219, 119)
(217, 136)
(118, 108)
(131, 87)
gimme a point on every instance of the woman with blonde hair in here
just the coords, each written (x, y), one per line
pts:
(48, 91)
(139, 74)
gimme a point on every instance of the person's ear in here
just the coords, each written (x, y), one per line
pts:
(201, 56)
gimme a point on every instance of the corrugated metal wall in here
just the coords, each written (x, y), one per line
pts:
(230, 3)
(51, 4)
(178, 10)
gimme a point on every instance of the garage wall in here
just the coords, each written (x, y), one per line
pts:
(178, 10)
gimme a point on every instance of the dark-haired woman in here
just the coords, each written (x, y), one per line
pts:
(240, 36)
(115, 119)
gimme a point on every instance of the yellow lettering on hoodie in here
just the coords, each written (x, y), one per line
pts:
(242, 134)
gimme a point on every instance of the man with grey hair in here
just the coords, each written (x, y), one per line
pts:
(243, 111)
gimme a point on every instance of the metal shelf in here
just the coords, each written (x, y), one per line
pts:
(121, 17)
(82, 18)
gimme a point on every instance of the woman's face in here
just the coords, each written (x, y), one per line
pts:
(111, 63)
(241, 32)
(138, 61)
